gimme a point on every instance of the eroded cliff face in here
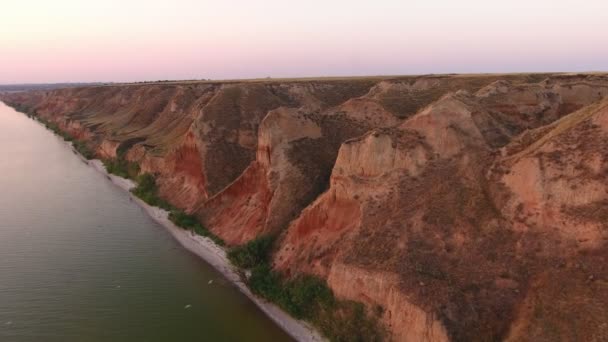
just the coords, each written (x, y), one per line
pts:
(464, 207)
(434, 217)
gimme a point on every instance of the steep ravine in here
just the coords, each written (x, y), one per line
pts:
(451, 206)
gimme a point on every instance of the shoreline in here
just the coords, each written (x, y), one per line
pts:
(208, 251)
(215, 256)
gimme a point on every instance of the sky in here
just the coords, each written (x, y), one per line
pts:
(44, 41)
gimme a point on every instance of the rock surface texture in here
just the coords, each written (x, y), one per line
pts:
(466, 207)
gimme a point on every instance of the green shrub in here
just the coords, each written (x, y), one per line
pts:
(266, 283)
(202, 231)
(27, 110)
(122, 168)
(297, 296)
(190, 222)
(304, 294)
(181, 219)
(148, 192)
(301, 296)
(256, 252)
(83, 149)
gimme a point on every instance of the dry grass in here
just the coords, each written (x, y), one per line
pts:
(533, 140)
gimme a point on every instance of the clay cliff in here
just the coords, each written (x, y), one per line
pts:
(466, 207)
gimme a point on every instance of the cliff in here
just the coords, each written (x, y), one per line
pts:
(466, 207)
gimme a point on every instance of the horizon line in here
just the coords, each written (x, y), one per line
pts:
(299, 78)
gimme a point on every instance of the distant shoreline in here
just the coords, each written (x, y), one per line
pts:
(284, 79)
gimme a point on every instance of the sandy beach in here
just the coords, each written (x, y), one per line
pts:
(216, 256)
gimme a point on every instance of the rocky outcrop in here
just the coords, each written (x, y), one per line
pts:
(459, 207)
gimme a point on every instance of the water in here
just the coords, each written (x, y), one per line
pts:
(80, 262)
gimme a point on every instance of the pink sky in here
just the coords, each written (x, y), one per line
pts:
(133, 40)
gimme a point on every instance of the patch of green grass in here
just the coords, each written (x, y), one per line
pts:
(181, 219)
(147, 191)
(256, 252)
(190, 222)
(83, 149)
(122, 168)
(301, 296)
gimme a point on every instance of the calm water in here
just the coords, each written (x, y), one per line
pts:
(80, 262)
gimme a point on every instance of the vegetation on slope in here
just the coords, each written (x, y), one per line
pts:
(305, 296)
(122, 167)
(252, 254)
(147, 190)
(83, 149)
(23, 108)
(79, 145)
(190, 222)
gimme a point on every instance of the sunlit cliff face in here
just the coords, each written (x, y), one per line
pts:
(68, 40)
